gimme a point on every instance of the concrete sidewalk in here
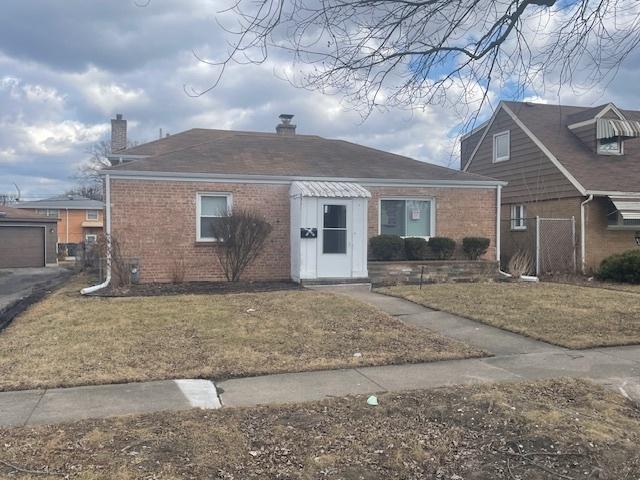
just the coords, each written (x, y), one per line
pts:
(59, 405)
(616, 367)
(516, 358)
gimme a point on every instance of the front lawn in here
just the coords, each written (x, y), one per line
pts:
(567, 315)
(71, 340)
(546, 430)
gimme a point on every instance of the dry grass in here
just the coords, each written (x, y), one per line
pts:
(567, 315)
(544, 430)
(71, 340)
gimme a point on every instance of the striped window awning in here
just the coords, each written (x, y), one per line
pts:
(610, 128)
(328, 190)
(628, 207)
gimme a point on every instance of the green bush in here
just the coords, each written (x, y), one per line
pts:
(623, 267)
(475, 247)
(386, 247)
(442, 247)
(416, 248)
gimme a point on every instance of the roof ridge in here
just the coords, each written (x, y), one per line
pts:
(228, 132)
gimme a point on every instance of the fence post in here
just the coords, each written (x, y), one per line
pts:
(537, 245)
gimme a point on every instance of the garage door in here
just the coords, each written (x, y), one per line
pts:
(21, 247)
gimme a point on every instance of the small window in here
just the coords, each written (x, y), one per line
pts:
(41, 211)
(210, 208)
(92, 214)
(518, 217)
(610, 146)
(501, 146)
(53, 212)
(407, 218)
(334, 231)
(90, 238)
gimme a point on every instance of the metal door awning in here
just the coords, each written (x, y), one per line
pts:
(610, 128)
(328, 190)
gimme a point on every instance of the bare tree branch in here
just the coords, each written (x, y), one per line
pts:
(415, 53)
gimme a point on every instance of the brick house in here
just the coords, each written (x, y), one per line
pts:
(563, 161)
(80, 219)
(324, 199)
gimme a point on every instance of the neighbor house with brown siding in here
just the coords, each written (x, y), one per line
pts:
(324, 199)
(563, 162)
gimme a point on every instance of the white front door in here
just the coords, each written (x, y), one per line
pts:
(334, 238)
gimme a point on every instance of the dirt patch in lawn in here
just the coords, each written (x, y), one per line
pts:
(196, 288)
(70, 340)
(544, 430)
(566, 315)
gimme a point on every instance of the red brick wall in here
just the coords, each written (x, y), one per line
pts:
(460, 212)
(156, 222)
(601, 241)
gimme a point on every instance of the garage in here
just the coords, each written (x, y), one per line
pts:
(26, 239)
(21, 247)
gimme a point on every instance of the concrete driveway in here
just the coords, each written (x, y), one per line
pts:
(17, 283)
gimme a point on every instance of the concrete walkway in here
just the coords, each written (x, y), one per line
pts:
(516, 358)
(490, 339)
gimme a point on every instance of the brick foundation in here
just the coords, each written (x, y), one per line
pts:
(392, 273)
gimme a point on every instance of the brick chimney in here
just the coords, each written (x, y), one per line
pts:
(285, 128)
(118, 133)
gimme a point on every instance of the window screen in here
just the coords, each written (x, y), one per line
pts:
(211, 208)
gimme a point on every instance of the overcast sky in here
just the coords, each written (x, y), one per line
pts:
(67, 67)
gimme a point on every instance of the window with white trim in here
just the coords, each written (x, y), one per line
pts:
(92, 214)
(610, 146)
(210, 207)
(501, 146)
(518, 217)
(90, 238)
(406, 217)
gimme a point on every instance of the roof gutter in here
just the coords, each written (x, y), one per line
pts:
(243, 178)
(583, 232)
(605, 193)
(107, 200)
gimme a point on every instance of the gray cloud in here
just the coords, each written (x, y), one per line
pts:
(67, 67)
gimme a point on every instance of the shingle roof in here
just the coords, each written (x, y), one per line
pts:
(594, 172)
(15, 214)
(63, 201)
(253, 153)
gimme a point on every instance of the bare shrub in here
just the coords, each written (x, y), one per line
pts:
(105, 247)
(241, 235)
(521, 263)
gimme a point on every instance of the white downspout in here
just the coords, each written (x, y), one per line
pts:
(583, 234)
(107, 229)
(66, 227)
(498, 220)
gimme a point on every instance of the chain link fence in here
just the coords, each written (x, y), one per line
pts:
(549, 244)
(556, 246)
